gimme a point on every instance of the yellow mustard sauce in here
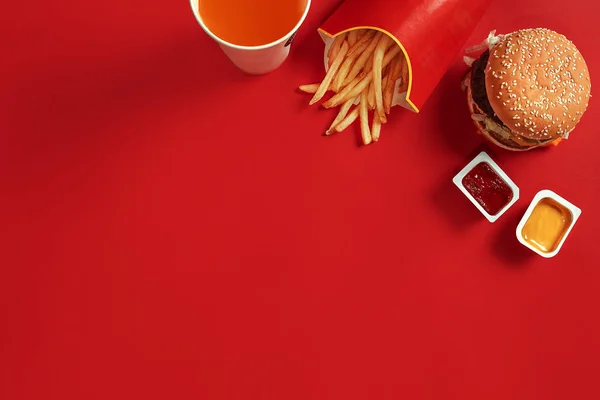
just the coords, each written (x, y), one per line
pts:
(547, 225)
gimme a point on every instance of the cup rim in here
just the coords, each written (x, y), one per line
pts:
(196, 11)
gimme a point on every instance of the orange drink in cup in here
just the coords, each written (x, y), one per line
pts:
(255, 34)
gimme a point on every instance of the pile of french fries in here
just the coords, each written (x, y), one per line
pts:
(364, 66)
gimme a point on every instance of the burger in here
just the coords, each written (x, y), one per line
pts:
(530, 88)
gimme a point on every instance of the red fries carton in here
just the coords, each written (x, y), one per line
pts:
(430, 33)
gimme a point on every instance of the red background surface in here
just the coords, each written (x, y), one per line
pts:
(175, 229)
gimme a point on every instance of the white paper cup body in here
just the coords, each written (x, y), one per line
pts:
(255, 60)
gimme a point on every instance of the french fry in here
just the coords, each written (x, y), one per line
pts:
(364, 78)
(311, 88)
(346, 122)
(335, 47)
(378, 66)
(376, 129)
(384, 80)
(389, 56)
(340, 117)
(330, 74)
(391, 43)
(403, 75)
(364, 117)
(383, 87)
(369, 63)
(391, 78)
(386, 69)
(362, 60)
(371, 97)
(342, 73)
(352, 37)
(364, 39)
(344, 95)
(345, 68)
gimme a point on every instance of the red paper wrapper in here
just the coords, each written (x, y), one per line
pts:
(429, 32)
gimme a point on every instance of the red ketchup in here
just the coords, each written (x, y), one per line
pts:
(488, 188)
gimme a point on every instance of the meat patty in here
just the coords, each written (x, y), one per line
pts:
(478, 87)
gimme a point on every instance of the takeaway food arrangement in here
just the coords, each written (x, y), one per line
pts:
(524, 90)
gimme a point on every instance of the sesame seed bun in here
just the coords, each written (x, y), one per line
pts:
(538, 84)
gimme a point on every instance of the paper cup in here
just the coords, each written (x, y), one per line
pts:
(255, 60)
